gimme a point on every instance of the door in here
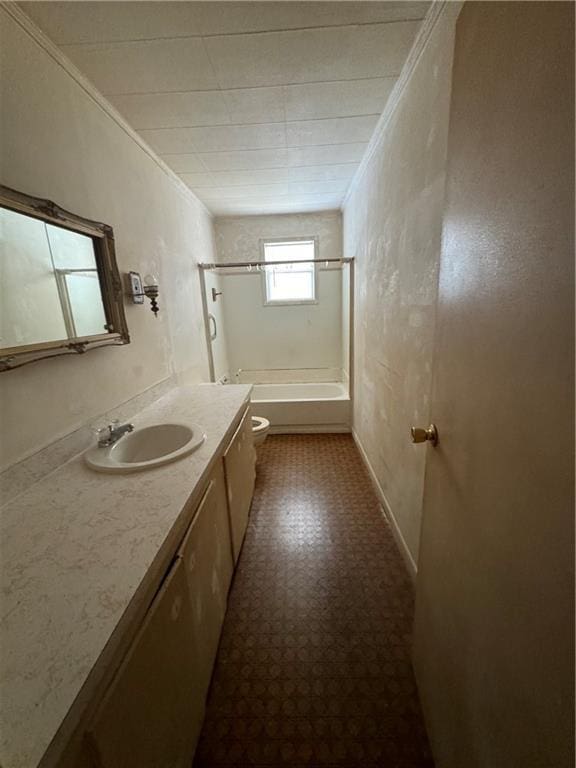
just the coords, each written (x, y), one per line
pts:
(207, 557)
(494, 653)
(151, 715)
(240, 466)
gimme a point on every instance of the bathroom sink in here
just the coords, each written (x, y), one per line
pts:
(146, 448)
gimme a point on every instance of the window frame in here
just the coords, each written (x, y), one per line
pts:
(264, 241)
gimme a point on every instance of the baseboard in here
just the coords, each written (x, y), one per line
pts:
(309, 429)
(387, 511)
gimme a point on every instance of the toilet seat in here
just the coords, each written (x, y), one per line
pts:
(260, 427)
(259, 424)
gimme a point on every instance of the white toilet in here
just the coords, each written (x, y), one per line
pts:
(260, 428)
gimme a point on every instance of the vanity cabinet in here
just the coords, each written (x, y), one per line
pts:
(240, 468)
(207, 557)
(152, 712)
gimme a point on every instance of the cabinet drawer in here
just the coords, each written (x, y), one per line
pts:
(152, 712)
(240, 468)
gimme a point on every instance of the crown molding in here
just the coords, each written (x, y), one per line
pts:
(26, 23)
(438, 9)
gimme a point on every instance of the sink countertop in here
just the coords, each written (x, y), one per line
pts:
(75, 550)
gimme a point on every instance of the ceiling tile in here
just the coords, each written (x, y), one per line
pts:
(269, 176)
(218, 18)
(318, 187)
(339, 99)
(326, 155)
(215, 138)
(249, 191)
(237, 161)
(145, 67)
(260, 107)
(239, 178)
(338, 130)
(203, 179)
(263, 191)
(323, 172)
(94, 22)
(284, 58)
(338, 186)
(184, 163)
(172, 110)
(255, 105)
(276, 205)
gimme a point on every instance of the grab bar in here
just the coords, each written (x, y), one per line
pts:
(215, 333)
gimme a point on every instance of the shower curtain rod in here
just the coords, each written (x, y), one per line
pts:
(232, 264)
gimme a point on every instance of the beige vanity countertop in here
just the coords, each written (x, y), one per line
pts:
(76, 551)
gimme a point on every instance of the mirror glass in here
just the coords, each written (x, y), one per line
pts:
(49, 283)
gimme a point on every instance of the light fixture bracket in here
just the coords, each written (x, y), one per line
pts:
(138, 290)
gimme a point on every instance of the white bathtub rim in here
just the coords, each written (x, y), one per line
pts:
(302, 400)
(307, 397)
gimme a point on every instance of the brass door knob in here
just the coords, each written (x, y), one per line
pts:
(420, 435)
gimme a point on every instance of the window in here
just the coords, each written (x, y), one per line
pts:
(293, 283)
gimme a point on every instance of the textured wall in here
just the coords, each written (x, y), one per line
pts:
(277, 337)
(237, 238)
(392, 226)
(494, 625)
(58, 143)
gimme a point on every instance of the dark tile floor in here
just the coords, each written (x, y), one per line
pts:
(314, 661)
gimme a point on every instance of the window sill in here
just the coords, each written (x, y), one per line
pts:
(289, 302)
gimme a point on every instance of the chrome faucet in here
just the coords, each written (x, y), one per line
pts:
(112, 433)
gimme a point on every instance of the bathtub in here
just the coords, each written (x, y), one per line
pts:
(314, 407)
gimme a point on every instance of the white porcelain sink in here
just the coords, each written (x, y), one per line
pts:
(146, 448)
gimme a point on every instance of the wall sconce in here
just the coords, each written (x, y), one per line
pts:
(149, 289)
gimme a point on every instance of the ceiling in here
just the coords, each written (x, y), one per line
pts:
(259, 107)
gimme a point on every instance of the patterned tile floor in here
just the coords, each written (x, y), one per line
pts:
(314, 661)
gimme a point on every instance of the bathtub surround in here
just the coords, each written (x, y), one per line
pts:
(288, 376)
(62, 141)
(392, 220)
(274, 338)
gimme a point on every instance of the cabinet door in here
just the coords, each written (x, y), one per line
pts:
(151, 715)
(240, 466)
(207, 557)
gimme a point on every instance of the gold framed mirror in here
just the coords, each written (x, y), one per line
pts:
(60, 289)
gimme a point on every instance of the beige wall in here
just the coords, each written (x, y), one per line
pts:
(392, 226)
(58, 143)
(280, 337)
